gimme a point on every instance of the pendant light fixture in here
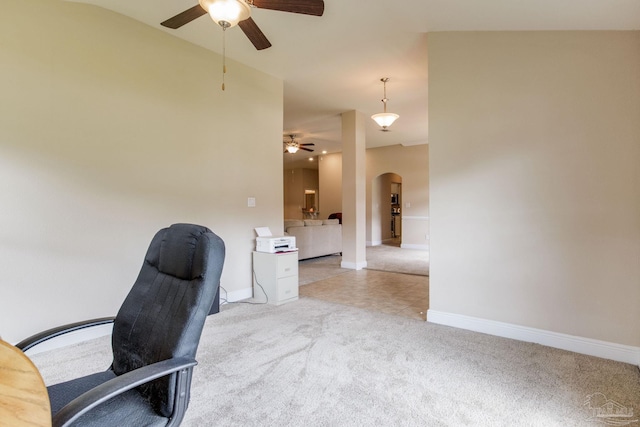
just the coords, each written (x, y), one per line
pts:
(384, 119)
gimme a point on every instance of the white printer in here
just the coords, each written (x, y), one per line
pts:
(274, 244)
(265, 242)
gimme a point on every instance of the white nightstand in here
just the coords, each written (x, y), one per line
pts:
(278, 276)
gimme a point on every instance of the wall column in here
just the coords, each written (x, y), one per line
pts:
(354, 196)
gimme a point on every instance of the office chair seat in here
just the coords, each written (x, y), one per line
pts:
(127, 409)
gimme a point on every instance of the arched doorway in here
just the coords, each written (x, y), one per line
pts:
(386, 213)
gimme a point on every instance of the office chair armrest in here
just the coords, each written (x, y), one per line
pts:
(118, 385)
(41, 337)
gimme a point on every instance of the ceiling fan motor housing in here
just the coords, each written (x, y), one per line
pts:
(226, 13)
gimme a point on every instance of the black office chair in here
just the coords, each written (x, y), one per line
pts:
(155, 337)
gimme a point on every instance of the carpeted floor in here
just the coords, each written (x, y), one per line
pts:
(384, 291)
(316, 363)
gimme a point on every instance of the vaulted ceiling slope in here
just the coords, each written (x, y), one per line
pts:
(334, 63)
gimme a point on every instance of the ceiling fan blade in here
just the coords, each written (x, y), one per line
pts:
(254, 34)
(306, 149)
(184, 18)
(311, 143)
(307, 7)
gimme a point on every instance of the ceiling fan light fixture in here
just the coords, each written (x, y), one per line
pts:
(226, 13)
(292, 146)
(384, 120)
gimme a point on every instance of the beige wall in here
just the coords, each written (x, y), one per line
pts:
(535, 177)
(412, 164)
(109, 131)
(296, 181)
(330, 178)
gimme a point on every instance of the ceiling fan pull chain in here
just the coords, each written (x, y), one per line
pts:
(224, 55)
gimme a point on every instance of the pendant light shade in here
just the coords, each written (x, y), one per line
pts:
(226, 13)
(384, 119)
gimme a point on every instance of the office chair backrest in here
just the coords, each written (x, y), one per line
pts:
(164, 313)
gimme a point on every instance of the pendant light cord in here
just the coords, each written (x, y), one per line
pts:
(384, 93)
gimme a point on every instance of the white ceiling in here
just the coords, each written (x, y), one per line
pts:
(334, 63)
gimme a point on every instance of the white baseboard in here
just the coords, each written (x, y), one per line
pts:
(410, 246)
(415, 217)
(402, 245)
(234, 296)
(353, 265)
(588, 346)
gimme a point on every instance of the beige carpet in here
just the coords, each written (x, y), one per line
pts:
(384, 291)
(315, 363)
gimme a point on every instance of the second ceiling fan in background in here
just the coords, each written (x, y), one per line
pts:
(292, 146)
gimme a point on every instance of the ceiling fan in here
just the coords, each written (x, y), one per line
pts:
(228, 13)
(292, 146)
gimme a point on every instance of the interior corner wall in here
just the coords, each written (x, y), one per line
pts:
(535, 176)
(109, 131)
